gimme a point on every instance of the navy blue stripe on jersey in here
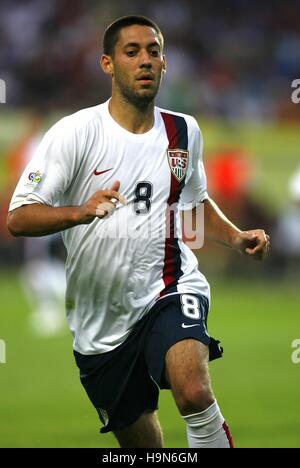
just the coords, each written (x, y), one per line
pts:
(176, 128)
(177, 133)
(182, 133)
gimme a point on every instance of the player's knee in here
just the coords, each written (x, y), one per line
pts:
(194, 397)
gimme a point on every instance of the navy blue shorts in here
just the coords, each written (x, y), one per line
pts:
(124, 383)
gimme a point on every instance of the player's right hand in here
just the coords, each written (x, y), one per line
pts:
(102, 203)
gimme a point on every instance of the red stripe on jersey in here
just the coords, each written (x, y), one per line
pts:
(171, 244)
(172, 261)
(228, 435)
(171, 130)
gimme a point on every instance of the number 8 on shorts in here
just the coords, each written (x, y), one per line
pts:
(190, 306)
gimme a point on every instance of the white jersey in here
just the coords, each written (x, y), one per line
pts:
(117, 267)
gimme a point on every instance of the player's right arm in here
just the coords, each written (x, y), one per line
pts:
(39, 220)
(38, 206)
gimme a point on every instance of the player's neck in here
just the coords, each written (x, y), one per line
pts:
(132, 118)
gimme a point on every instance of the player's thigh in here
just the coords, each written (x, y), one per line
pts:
(143, 433)
(186, 370)
(187, 358)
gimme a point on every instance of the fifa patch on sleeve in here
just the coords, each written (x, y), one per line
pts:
(34, 178)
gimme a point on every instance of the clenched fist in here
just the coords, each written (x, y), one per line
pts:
(255, 243)
(102, 203)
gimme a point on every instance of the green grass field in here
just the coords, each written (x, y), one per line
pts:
(42, 403)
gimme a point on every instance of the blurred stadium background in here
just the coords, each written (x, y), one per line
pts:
(231, 64)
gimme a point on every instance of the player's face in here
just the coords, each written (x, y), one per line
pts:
(137, 64)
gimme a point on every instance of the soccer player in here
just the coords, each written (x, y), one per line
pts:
(136, 303)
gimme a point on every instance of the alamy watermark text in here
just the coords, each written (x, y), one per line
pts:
(2, 352)
(2, 92)
(296, 92)
(295, 357)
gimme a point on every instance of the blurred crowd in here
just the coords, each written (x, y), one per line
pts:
(234, 59)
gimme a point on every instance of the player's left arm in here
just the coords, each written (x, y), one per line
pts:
(217, 227)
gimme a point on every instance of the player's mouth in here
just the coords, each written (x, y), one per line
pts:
(146, 78)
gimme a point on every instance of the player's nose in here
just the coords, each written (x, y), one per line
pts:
(145, 59)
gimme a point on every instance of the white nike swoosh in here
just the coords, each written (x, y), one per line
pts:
(188, 326)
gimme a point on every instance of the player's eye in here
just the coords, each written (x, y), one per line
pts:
(131, 53)
(154, 53)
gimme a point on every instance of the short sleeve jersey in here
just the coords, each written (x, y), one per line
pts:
(119, 266)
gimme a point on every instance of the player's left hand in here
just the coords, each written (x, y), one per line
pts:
(255, 243)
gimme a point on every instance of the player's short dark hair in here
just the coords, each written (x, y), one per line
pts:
(111, 34)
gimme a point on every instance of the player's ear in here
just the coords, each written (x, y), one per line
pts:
(164, 70)
(106, 64)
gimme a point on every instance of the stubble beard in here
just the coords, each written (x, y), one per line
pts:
(139, 100)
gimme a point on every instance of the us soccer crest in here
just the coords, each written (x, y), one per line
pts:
(178, 161)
